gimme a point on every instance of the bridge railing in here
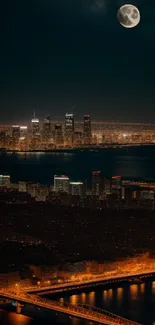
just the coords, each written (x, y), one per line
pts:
(85, 310)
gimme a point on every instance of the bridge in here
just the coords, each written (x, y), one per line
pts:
(85, 283)
(80, 311)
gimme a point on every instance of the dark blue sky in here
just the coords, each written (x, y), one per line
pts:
(56, 53)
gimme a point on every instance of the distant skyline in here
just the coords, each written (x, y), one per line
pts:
(55, 54)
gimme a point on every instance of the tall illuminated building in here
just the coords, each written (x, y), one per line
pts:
(35, 127)
(107, 186)
(46, 133)
(76, 188)
(23, 132)
(61, 183)
(69, 128)
(15, 136)
(58, 135)
(4, 180)
(96, 183)
(15, 132)
(87, 136)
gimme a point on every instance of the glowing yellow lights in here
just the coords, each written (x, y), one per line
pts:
(18, 319)
(73, 299)
(119, 293)
(134, 291)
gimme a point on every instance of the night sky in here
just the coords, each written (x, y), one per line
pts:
(55, 53)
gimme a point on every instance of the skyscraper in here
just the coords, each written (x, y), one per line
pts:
(4, 180)
(46, 134)
(96, 183)
(15, 136)
(61, 183)
(23, 132)
(76, 188)
(35, 127)
(87, 136)
(15, 132)
(69, 128)
(58, 135)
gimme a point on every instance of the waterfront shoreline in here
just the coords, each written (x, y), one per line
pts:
(81, 149)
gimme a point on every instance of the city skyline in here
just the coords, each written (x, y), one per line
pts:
(87, 58)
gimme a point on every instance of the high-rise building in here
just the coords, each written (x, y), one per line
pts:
(116, 185)
(23, 132)
(15, 136)
(4, 180)
(87, 136)
(107, 186)
(69, 128)
(76, 188)
(35, 127)
(58, 135)
(47, 129)
(15, 132)
(96, 183)
(61, 183)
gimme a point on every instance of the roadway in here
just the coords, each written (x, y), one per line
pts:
(81, 311)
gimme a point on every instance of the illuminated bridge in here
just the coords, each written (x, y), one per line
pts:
(86, 283)
(80, 311)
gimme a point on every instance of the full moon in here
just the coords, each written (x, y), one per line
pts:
(128, 16)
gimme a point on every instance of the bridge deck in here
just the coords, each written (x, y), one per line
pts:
(94, 280)
(81, 311)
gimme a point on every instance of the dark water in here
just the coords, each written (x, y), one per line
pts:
(137, 163)
(135, 302)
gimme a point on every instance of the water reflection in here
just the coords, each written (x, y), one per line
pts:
(74, 299)
(83, 298)
(18, 319)
(105, 295)
(153, 287)
(134, 291)
(119, 294)
(91, 298)
(110, 294)
(142, 287)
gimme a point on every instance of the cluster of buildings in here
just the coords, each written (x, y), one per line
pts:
(101, 193)
(50, 135)
(45, 136)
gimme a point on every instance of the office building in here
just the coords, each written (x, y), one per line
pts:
(35, 127)
(61, 183)
(15, 132)
(23, 132)
(58, 135)
(46, 133)
(69, 128)
(107, 186)
(76, 188)
(4, 180)
(87, 136)
(96, 183)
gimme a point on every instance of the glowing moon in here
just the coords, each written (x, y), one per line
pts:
(128, 16)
